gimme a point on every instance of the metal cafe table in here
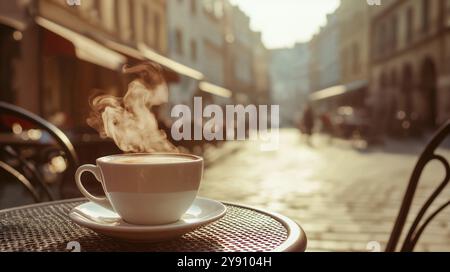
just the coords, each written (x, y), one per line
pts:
(47, 227)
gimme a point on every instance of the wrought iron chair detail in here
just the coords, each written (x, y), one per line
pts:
(421, 222)
(26, 171)
(22, 179)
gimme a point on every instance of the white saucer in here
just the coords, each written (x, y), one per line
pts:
(90, 215)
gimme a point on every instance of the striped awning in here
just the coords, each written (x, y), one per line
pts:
(171, 64)
(338, 90)
(13, 22)
(214, 89)
(85, 48)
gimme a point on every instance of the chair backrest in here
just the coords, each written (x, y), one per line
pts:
(421, 222)
(26, 168)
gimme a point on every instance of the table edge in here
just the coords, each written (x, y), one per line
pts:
(37, 205)
(295, 242)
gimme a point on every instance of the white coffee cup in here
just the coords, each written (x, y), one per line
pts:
(146, 189)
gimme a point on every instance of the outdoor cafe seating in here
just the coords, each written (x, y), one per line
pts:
(43, 166)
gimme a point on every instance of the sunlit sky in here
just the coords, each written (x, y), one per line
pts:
(285, 22)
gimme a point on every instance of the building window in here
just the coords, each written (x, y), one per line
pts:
(425, 15)
(193, 50)
(355, 58)
(409, 24)
(218, 9)
(381, 40)
(9, 52)
(394, 78)
(157, 31)
(375, 48)
(394, 33)
(344, 62)
(194, 7)
(447, 7)
(117, 15)
(132, 18)
(179, 42)
(146, 21)
(98, 9)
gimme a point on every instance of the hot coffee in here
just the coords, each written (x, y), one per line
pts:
(146, 189)
(149, 159)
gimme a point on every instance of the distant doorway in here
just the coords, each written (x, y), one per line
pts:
(9, 50)
(392, 103)
(428, 86)
(407, 89)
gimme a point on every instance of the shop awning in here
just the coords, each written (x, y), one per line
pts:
(86, 49)
(338, 90)
(12, 22)
(136, 55)
(170, 64)
(124, 49)
(214, 89)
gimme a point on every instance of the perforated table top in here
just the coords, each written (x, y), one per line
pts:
(47, 227)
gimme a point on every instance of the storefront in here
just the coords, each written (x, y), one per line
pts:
(74, 68)
(342, 109)
(9, 52)
(12, 27)
(351, 95)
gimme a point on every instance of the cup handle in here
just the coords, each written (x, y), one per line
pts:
(102, 201)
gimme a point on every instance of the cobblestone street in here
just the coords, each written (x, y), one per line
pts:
(343, 197)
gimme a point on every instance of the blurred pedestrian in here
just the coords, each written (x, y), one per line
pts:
(327, 125)
(308, 122)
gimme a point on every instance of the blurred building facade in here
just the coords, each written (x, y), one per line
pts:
(326, 64)
(239, 54)
(212, 56)
(18, 56)
(212, 53)
(261, 70)
(354, 40)
(325, 58)
(215, 38)
(195, 30)
(410, 71)
(392, 62)
(354, 51)
(66, 52)
(58, 55)
(289, 74)
(72, 63)
(185, 44)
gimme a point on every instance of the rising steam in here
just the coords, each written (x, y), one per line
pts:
(129, 120)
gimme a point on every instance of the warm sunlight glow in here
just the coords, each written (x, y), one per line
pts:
(285, 22)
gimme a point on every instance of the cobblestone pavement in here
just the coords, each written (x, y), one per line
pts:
(343, 197)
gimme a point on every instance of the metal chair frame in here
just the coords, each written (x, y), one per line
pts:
(59, 137)
(421, 222)
(22, 179)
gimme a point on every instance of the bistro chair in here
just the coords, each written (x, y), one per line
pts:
(421, 222)
(40, 164)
